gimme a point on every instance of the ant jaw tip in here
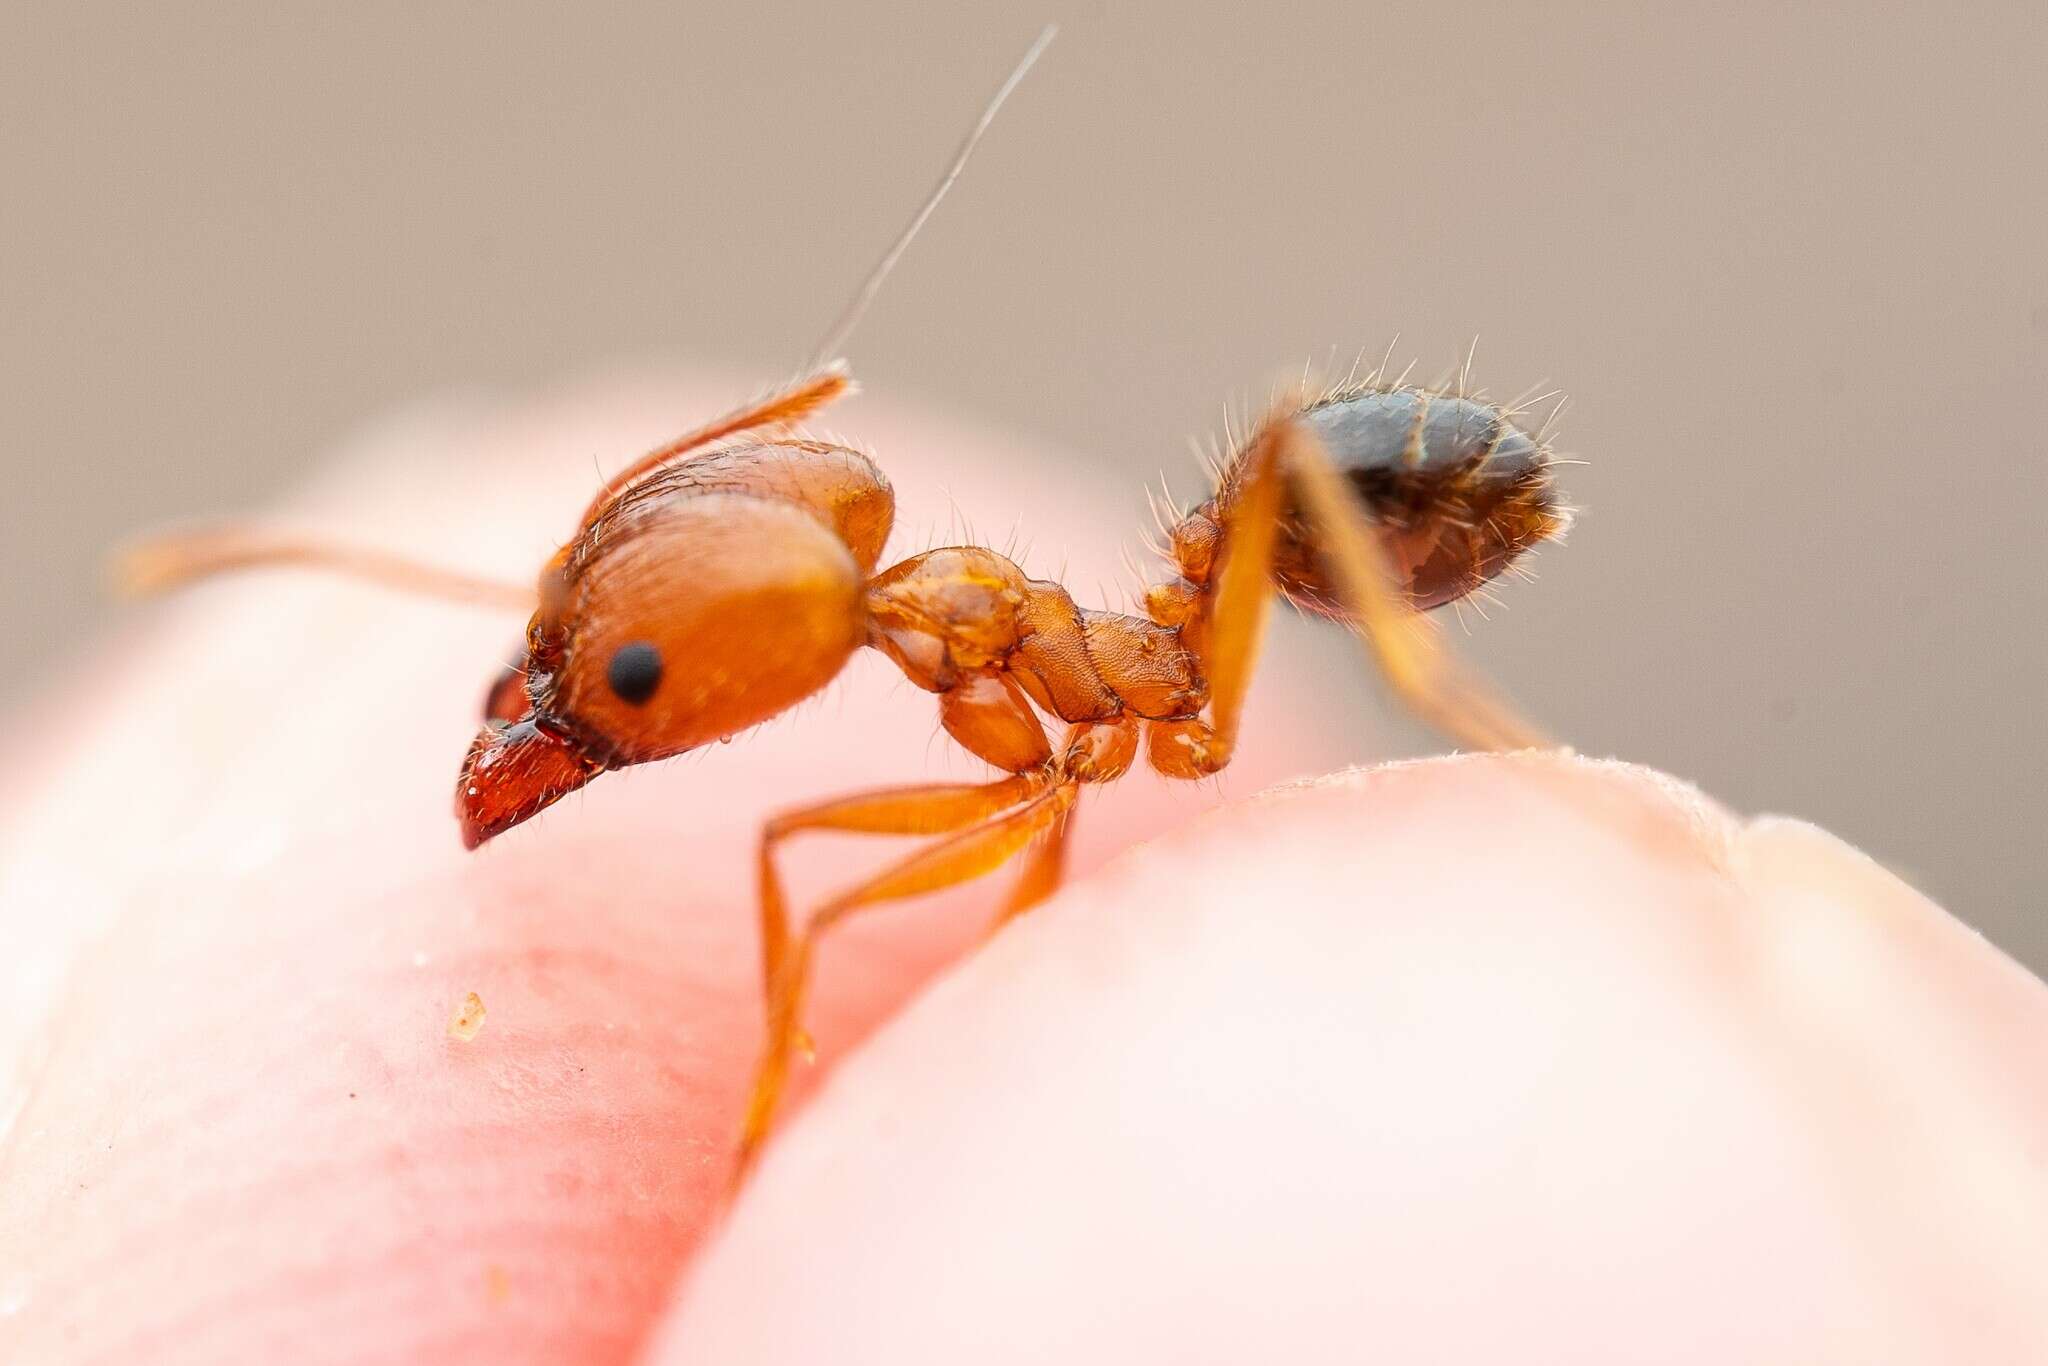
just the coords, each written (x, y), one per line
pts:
(513, 773)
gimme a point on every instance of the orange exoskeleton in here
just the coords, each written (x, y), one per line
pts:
(724, 577)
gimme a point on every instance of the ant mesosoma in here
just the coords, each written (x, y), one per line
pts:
(728, 575)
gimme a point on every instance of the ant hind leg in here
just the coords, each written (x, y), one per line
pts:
(1286, 456)
(1430, 680)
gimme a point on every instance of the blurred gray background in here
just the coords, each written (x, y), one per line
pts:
(1787, 260)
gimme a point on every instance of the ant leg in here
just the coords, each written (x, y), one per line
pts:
(957, 859)
(165, 562)
(168, 561)
(1044, 868)
(1429, 679)
(781, 409)
(1094, 752)
(1240, 596)
(935, 809)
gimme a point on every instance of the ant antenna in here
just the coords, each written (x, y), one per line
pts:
(843, 328)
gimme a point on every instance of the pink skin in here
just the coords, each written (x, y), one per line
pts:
(1474, 1060)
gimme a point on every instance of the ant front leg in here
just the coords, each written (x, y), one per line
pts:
(168, 560)
(171, 559)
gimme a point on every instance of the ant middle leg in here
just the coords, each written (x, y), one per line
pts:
(1097, 752)
(1093, 753)
(1045, 867)
(959, 858)
(931, 809)
(990, 716)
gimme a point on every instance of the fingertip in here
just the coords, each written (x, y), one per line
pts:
(1464, 797)
(1353, 1056)
(243, 844)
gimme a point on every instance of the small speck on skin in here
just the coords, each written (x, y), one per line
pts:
(469, 1018)
(497, 1285)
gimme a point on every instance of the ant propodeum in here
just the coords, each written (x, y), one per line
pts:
(724, 577)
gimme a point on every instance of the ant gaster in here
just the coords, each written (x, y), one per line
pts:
(725, 577)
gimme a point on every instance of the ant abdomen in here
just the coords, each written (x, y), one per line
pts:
(1456, 488)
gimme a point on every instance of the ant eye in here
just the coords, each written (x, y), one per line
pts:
(635, 672)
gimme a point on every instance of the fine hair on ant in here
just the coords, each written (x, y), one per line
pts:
(726, 576)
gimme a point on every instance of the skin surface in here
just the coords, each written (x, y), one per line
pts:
(1470, 1060)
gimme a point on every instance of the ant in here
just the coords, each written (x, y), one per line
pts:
(722, 578)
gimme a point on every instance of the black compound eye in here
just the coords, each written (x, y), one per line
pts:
(635, 672)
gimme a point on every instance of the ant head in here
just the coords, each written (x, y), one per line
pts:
(682, 622)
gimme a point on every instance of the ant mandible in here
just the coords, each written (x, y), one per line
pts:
(728, 575)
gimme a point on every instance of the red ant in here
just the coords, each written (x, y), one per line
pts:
(724, 577)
